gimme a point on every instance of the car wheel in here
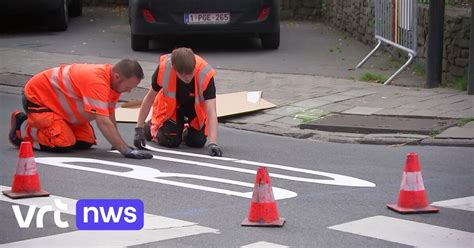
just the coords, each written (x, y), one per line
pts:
(270, 40)
(139, 42)
(59, 19)
(75, 8)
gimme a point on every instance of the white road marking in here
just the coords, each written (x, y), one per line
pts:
(465, 203)
(337, 179)
(151, 148)
(263, 244)
(154, 175)
(407, 232)
(157, 228)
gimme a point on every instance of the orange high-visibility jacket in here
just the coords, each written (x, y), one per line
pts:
(75, 92)
(164, 106)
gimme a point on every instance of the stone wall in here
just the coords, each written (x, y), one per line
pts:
(302, 9)
(356, 17)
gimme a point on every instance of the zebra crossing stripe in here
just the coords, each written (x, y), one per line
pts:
(156, 228)
(465, 203)
(407, 232)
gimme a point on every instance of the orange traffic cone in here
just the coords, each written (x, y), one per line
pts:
(26, 181)
(263, 209)
(412, 197)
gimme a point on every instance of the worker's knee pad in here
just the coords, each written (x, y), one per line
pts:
(168, 140)
(82, 145)
(194, 138)
(169, 134)
(56, 148)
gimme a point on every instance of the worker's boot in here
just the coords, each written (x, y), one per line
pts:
(14, 136)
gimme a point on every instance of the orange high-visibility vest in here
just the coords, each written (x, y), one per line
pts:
(164, 106)
(75, 92)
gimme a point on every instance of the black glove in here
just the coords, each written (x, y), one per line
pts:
(137, 154)
(214, 150)
(139, 140)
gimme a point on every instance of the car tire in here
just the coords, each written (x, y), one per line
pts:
(59, 19)
(75, 8)
(270, 40)
(139, 42)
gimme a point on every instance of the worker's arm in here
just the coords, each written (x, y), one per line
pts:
(139, 140)
(110, 132)
(212, 120)
(214, 149)
(113, 119)
(146, 106)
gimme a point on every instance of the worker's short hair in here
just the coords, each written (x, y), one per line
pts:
(129, 68)
(183, 60)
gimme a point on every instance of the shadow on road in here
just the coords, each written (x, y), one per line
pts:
(216, 43)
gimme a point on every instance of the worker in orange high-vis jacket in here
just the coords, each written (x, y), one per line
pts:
(60, 102)
(183, 96)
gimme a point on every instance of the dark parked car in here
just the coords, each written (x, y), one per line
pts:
(57, 12)
(152, 18)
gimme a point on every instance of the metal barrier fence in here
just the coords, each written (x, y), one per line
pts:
(395, 25)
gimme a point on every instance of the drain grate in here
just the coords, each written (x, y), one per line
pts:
(379, 124)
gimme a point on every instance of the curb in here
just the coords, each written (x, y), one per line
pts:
(351, 138)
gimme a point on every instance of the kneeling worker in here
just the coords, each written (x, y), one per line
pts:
(60, 102)
(183, 96)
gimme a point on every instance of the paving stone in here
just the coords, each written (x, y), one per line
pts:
(335, 107)
(425, 104)
(357, 93)
(289, 121)
(469, 113)
(378, 101)
(395, 111)
(286, 110)
(335, 98)
(461, 105)
(256, 118)
(457, 133)
(311, 103)
(310, 114)
(469, 125)
(279, 124)
(362, 110)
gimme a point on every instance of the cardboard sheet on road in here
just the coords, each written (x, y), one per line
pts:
(227, 105)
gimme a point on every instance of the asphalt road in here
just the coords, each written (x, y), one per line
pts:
(447, 174)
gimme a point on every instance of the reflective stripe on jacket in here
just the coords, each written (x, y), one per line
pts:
(75, 92)
(164, 106)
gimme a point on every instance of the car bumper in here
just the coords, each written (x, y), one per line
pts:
(33, 7)
(172, 22)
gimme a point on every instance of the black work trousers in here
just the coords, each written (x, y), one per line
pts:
(171, 134)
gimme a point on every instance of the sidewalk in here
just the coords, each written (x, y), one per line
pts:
(303, 99)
